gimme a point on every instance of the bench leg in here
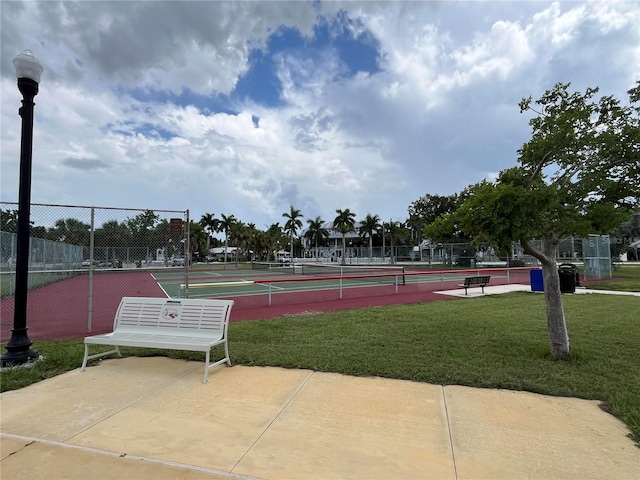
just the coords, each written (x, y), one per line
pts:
(226, 353)
(206, 366)
(115, 350)
(86, 357)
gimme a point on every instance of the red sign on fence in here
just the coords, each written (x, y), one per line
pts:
(175, 227)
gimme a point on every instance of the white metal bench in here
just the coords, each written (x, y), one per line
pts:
(175, 324)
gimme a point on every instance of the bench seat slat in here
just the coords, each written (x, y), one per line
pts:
(170, 342)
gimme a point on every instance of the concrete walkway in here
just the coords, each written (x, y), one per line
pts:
(518, 287)
(136, 418)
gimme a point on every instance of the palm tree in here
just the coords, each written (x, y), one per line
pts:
(211, 225)
(198, 238)
(316, 233)
(397, 232)
(293, 224)
(369, 226)
(344, 222)
(238, 233)
(226, 222)
(251, 235)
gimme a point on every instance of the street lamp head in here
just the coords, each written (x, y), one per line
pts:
(28, 66)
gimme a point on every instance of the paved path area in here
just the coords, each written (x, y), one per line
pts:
(516, 287)
(134, 418)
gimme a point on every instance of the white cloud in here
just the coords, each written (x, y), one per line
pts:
(441, 113)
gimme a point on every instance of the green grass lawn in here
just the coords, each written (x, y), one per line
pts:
(626, 279)
(494, 341)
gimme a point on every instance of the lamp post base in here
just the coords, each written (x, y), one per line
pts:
(18, 350)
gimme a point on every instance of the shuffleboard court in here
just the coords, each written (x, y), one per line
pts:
(271, 289)
(62, 309)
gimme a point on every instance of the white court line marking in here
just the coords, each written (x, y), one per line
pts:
(273, 287)
(219, 284)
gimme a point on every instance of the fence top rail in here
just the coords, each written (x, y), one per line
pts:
(474, 271)
(466, 271)
(324, 278)
(98, 207)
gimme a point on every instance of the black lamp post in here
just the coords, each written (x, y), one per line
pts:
(19, 351)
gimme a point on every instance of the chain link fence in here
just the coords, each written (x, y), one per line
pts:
(83, 260)
(594, 251)
(597, 256)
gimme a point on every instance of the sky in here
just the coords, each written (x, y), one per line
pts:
(248, 108)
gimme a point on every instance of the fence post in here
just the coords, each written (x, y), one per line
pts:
(186, 254)
(91, 244)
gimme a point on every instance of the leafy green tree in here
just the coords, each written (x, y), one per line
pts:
(428, 209)
(160, 237)
(9, 221)
(146, 230)
(316, 233)
(261, 245)
(274, 236)
(579, 174)
(292, 224)
(112, 235)
(368, 227)
(344, 222)
(397, 233)
(71, 231)
(38, 232)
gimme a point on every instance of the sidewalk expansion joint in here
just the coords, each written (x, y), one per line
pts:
(453, 452)
(284, 407)
(109, 453)
(138, 400)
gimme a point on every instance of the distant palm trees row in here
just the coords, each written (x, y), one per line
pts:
(275, 236)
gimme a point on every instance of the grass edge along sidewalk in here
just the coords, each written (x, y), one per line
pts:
(493, 342)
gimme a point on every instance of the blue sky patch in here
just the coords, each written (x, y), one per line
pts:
(128, 128)
(261, 84)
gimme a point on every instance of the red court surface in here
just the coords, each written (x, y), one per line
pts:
(61, 310)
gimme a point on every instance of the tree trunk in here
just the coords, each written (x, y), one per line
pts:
(556, 323)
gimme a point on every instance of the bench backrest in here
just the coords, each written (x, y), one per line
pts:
(192, 316)
(477, 280)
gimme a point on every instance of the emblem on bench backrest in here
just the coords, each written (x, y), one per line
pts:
(172, 310)
(170, 313)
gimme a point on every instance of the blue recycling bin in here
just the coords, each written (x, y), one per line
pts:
(537, 282)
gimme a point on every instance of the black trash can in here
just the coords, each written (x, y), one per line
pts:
(568, 274)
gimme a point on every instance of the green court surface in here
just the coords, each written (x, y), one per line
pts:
(241, 282)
